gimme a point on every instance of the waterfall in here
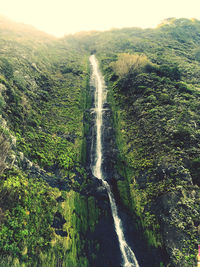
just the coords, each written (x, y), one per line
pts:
(129, 259)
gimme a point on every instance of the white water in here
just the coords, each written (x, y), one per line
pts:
(129, 259)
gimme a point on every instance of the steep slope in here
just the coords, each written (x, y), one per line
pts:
(52, 210)
(155, 101)
(45, 199)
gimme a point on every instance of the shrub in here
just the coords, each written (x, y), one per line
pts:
(127, 63)
(6, 68)
(195, 170)
(183, 88)
(4, 150)
(171, 72)
(182, 134)
(2, 103)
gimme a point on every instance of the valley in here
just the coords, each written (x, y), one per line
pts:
(100, 166)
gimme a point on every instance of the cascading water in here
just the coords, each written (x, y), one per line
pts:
(129, 259)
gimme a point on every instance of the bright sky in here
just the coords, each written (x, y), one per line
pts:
(59, 17)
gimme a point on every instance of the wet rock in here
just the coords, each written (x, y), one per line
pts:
(58, 223)
(58, 220)
(61, 233)
(95, 188)
(106, 106)
(60, 199)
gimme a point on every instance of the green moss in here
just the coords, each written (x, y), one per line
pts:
(129, 163)
(81, 215)
(158, 147)
(123, 188)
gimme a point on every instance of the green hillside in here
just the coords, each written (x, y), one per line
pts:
(153, 77)
(49, 207)
(44, 212)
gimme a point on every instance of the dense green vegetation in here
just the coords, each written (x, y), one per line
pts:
(154, 139)
(155, 99)
(46, 210)
(43, 94)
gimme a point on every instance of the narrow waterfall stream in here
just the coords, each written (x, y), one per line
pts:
(128, 257)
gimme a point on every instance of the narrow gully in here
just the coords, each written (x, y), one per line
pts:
(128, 256)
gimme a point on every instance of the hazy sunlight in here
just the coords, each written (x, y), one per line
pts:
(59, 17)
